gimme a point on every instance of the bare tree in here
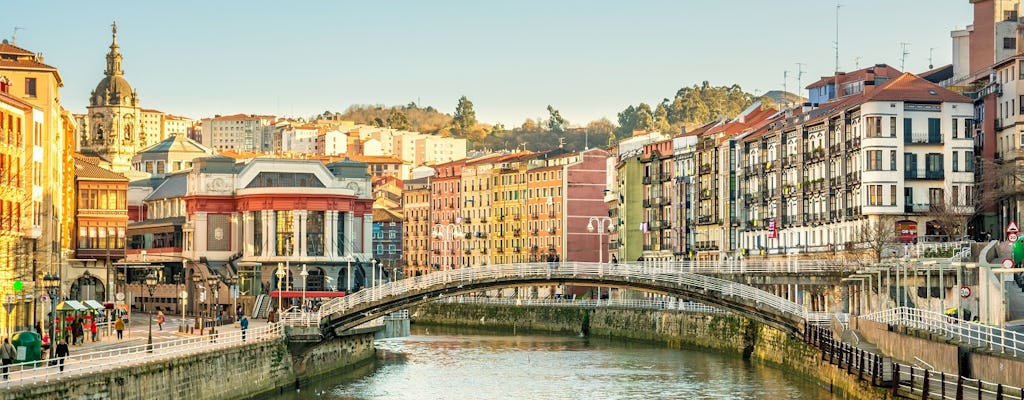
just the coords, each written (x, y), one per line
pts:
(876, 238)
(953, 214)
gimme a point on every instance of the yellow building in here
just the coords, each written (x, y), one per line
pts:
(45, 169)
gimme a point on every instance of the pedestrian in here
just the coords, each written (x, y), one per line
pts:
(119, 327)
(244, 324)
(7, 354)
(93, 329)
(62, 352)
(238, 312)
(615, 260)
(160, 319)
(79, 331)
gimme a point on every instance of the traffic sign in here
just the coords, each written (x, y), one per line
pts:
(1012, 227)
(1012, 237)
(965, 291)
(1007, 263)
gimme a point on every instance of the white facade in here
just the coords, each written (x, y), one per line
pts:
(238, 132)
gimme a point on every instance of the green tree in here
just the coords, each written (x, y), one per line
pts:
(398, 120)
(465, 117)
(644, 118)
(556, 123)
(661, 122)
(627, 122)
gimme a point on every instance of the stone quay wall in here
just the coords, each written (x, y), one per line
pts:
(246, 371)
(724, 333)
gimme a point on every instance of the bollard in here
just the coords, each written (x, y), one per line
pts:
(895, 377)
(924, 386)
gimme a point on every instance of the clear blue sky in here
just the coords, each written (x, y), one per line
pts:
(589, 59)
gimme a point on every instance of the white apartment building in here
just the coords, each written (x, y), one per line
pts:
(239, 132)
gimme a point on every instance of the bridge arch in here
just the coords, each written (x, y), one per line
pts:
(341, 314)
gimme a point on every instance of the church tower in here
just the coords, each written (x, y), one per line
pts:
(111, 128)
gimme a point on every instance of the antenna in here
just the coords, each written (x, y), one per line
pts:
(799, 74)
(930, 51)
(836, 43)
(905, 48)
(856, 62)
(785, 79)
(14, 37)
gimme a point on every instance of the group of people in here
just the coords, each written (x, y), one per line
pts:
(78, 328)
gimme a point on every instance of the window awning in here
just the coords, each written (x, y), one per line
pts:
(93, 304)
(71, 305)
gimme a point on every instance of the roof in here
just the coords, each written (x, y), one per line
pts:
(385, 215)
(376, 159)
(85, 169)
(177, 144)
(174, 186)
(910, 87)
(7, 48)
(858, 75)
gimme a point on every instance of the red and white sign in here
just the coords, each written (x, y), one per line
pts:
(965, 291)
(1007, 263)
(1012, 236)
(773, 231)
(1012, 227)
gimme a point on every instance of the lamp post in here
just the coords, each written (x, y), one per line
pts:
(9, 302)
(197, 280)
(602, 226)
(151, 285)
(280, 277)
(52, 284)
(184, 302)
(348, 271)
(304, 274)
(373, 273)
(214, 283)
(447, 233)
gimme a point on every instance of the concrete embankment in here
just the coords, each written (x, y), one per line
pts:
(245, 371)
(726, 333)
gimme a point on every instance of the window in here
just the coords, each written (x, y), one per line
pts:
(969, 161)
(934, 130)
(874, 160)
(892, 195)
(892, 160)
(343, 248)
(908, 127)
(874, 126)
(285, 235)
(1009, 43)
(315, 233)
(892, 126)
(955, 196)
(257, 234)
(30, 87)
(955, 125)
(956, 161)
(968, 127)
(874, 195)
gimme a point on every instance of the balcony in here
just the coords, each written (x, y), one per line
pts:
(551, 214)
(552, 231)
(515, 249)
(705, 219)
(648, 247)
(655, 224)
(499, 249)
(468, 252)
(533, 215)
(647, 203)
(515, 217)
(923, 139)
(665, 177)
(516, 233)
(853, 178)
(533, 232)
(467, 220)
(705, 169)
(924, 175)
(853, 144)
(469, 235)
(647, 180)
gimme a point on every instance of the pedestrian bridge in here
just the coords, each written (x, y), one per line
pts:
(339, 315)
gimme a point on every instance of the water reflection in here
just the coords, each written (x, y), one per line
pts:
(439, 363)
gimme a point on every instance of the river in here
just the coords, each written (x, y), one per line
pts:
(445, 363)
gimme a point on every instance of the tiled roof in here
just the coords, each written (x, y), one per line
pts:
(173, 186)
(385, 215)
(910, 87)
(177, 144)
(376, 159)
(7, 48)
(25, 64)
(86, 169)
(858, 75)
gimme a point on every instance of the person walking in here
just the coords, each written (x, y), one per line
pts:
(119, 327)
(160, 319)
(7, 354)
(62, 352)
(93, 330)
(79, 331)
(244, 324)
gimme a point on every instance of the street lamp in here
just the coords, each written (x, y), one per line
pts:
(52, 284)
(447, 232)
(304, 274)
(151, 284)
(602, 226)
(214, 282)
(9, 303)
(184, 302)
(197, 280)
(280, 277)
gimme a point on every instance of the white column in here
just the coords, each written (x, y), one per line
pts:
(350, 244)
(200, 230)
(248, 233)
(270, 233)
(368, 233)
(331, 234)
(296, 226)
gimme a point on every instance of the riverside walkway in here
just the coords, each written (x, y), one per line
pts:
(110, 353)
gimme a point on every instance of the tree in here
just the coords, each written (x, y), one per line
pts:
(627, 122)
(877, 236)
(600, 131)
(465, 117)
(645, 118)
(661, 122)
(397, 120)
(556, 123)
(953, 214)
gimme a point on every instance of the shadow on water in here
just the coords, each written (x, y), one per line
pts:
(458, 363)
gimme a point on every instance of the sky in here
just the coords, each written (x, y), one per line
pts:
(588, 59)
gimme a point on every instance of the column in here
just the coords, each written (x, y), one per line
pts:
(331, 234)
(296, 228)
(270, 233)
(201, 226)
(367, 234)
(302, 217)
(248, 233)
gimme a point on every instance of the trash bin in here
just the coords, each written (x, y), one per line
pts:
(29, 346)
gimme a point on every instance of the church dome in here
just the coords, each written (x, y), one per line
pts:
(113, 90)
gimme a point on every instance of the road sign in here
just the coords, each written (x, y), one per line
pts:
(1012, 237)
(120, 296)
(965, 291)
(1007, 263)
(1012, 227)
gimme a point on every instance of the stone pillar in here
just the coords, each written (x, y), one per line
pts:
(367, 234)
(270, 238)
(248, 234)
(331, 234)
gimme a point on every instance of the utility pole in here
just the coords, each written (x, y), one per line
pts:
(14, 37)
(799, 75)
(785, 80)
(930, 52)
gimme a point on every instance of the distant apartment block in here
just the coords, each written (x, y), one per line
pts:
(239, 132)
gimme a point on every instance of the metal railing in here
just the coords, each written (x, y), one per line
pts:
(905, 380)
(661, 274)
(41, 372)
(993, 338)
(674, 304)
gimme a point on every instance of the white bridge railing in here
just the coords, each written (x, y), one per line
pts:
(668, 304)
(42, 372)
(669, 274)
(995, 339)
